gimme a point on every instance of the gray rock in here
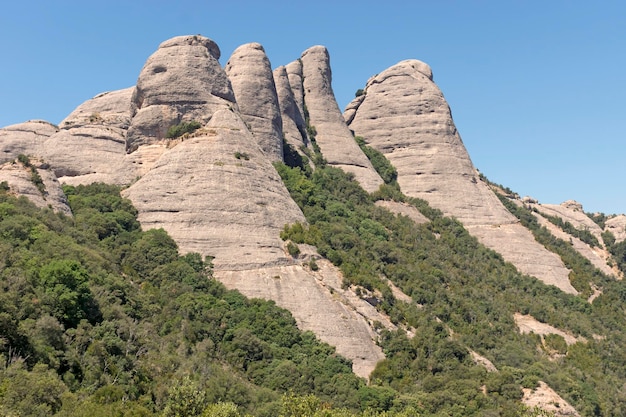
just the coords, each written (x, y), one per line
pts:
(218, 194)
(296, 81)
(91, 145)
(24, 138)
(617, 226)
(294, 127)
(19, 178)
(181, 81)
(404, 115)
(250, 74)
(319, 304)
(333, 136)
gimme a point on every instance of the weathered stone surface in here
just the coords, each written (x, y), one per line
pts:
(319, 304)
(617, 226)
(24, 138)
(20, 182)
(294, 127)
(296, 81)
(572, 212)
(547, 399)
(597, 256)
(91, 145)
(218, 194)
(181, 81)
(404, 115)
(333, 136)
(250, 74)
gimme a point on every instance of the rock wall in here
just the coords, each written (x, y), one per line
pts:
(250, 73)
(404, 115)
(333, 136)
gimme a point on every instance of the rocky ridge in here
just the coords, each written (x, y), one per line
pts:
(216, 192)
(404, 115)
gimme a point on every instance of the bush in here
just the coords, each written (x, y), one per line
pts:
(293, 249)
(182, 128)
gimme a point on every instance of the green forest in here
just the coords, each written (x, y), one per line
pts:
(101, 318)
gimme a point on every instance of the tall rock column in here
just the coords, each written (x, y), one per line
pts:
(181, 81)
(251, 77)
(404, 115)
(333, 136)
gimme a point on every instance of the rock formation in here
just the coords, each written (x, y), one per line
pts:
(252, 79)
(19, 179)
(96, 134)
(24, 138)
(294, 126)
(404, 115)
(333, 136)
(181, 81)
(218, 194)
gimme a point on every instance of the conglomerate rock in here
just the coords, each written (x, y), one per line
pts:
(250, 74)
(218, 194)
(333, 136)
(181, 81)
(294, 126)
(404, 115)
(24, 138)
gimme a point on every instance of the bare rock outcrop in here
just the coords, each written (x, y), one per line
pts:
(24, 138)
(181, 81)
(294, 126)
(547, 399)
(617, 226)
(217, 194)
(333, 136)
(319, 304)
(95, 132)
(250, 74)
(404, 115)
(21, 182)
(573, 213)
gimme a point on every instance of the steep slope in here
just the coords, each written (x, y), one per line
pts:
(251, 77)
(294, 126)
(404, 115)
(333, 136)
(571, 212)
(36, 183)
(217, 194)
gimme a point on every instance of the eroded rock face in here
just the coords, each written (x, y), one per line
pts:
(404, 115)
(319, 304)
(572, 212)
(617, 226)
(181, 81)
(91, 145)
(24, 138)
(19, 178)
(218, 194)
(250, 74)
(333, 136)
(294, 127)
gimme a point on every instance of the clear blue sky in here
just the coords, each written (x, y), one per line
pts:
(537, 88)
